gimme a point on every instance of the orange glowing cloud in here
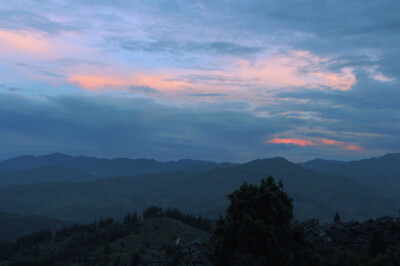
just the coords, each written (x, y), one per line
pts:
(298, 142)
(26, 42)
(330, 142)
(315, 142)
(352, 147)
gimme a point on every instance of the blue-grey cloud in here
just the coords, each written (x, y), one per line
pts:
(207, 94)
(18, 19)
(361, 35)
(143, 89)
(196, 47)
(138, 127)
(366, 114)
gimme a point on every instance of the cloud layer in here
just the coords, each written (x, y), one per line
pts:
(223, 80)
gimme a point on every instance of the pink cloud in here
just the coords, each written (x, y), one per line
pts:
(316, 142)
(381, 77)
(330, 142)
(24, 42)
(94, 83)
(352, 147)
(298, 142)
(99, 82)
(162, 81)
(295, 69)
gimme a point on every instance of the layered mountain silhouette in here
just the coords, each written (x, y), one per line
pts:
(192, 186)
(382, 173)
(60, 167)
(45, 174)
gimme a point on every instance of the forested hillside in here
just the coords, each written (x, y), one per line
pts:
(315, 195)
(381, 173)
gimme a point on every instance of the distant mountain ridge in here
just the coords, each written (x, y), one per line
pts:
(315, 195)
(381, 173)
(45, 174)
(60, 167)
(26, 162)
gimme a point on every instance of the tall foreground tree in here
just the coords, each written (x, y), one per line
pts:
(258, 230)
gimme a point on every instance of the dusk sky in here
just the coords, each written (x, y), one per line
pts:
(214, 80)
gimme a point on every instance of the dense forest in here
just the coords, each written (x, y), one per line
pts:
(258, 228)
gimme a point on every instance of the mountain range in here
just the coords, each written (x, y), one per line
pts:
(60, 167)
(45, 174)
(381, 173)
(73, 188)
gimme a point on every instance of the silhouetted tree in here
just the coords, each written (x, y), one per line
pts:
(153, 211)
(257, 228)
(131, 219)
(189, 219)
(337, 218)
(34, 239)
(104, 223)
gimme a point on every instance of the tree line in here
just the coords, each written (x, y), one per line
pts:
(194, 221)
(258, 228)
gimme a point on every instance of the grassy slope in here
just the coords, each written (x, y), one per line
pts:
(153, 235)
(14, 225)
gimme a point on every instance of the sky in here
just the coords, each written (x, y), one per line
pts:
(215, 80)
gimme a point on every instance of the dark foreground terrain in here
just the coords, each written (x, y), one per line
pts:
(153, 239)
(257, 229)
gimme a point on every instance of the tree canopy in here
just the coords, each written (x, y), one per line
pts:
(258, 229)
